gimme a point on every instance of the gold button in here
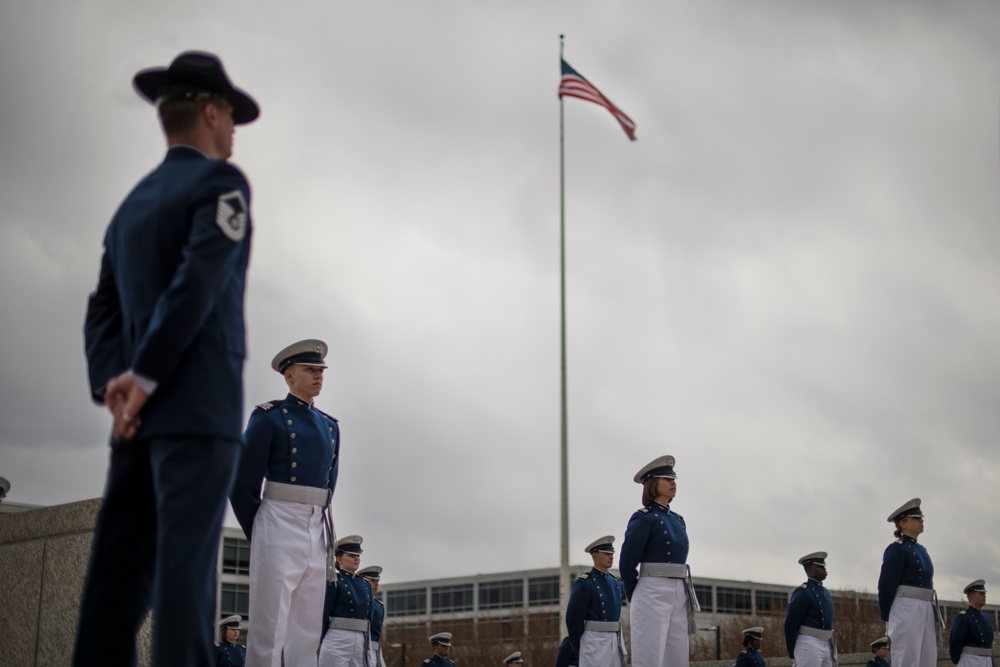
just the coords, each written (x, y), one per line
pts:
(293, 479)
(294, 464)
(285, 410)
(289, 422)
(334, 456)
(295, 450)
(292, 436)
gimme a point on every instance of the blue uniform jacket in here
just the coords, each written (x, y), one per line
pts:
(655, 534)
(378, 618)
(437, 661)
(810, 605)
(169, 300)
(287, 441)
(878, 662)
(350, 596)
(230, 655)
(904, 563)
(750, 657)
(971, 628)
(596, 596)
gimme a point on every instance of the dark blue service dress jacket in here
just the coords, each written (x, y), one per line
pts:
(378, 618)
(185, 228)
(811, 606)
(437, 661)
(971, 628)
(350, 596)
(287, 441)
(596, 596)
(904, 563)
(655, 534)
(750, 657)
(878, 662)
(230, 655)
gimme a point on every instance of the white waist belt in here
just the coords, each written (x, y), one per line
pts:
(671, 570)
(602, 626)
(292, 493)
(978, 650)
(915, 592)
(816, 632)
(356, 624)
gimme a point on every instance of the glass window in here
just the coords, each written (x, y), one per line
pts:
(406, 602)
(543, 591)
(235, 599)
(451, 598)
(704, 595)
(501, 594)
(235, 555)
(733, 600)
(771, 602)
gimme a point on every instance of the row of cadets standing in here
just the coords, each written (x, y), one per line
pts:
(295, 447)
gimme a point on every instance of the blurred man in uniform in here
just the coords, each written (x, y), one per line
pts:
(165, 344)
(347, 611)
(441, 645)
(229, 652)
(880, 647)
(751, 656)
(296, 447)
(593, 614)
(372, 574)
(971, 641)
(809, 618)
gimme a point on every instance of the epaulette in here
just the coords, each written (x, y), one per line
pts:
(271, 404)
(614, 577)
(805, 584)
(644, 510)
(962, 612)
(325, 415)
(585, 575)
(899, 541)
(427, 661)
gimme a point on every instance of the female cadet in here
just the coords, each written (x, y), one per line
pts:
(906, 598)
(657, 580)
(347, 611)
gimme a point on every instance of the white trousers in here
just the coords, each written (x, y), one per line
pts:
(287, 584)
(659, 623)
(812, 652)
(599, 649)
(913, 632)
(342, 648)
(969, 660)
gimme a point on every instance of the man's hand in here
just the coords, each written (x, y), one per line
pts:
(125, 399)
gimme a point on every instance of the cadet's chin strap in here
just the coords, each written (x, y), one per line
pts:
(331, 541)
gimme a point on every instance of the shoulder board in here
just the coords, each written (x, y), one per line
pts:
(427, 661)
(325, 415)
(899, 541)
(677, 515)
(585, 575)
(614, 577)
(805, 584)
(271, 404)
(644, 510)
(962, 612)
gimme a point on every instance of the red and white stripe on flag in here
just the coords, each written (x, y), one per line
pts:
(574, 85)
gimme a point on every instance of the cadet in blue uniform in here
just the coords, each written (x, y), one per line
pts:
(593, 614)
(347, 611)
(296, 447)
(971, 641)
(751, 656)
(653, 567)
(372, 574)
(441, 645)
(165, 339)
(906, 597)
(809, 618)
(880, 647)
(229, 652)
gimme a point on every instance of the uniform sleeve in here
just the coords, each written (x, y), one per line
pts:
(209, 259)
(893, 562)
(956, 640)
(633, 546)
(742, 660)
(576, 612)
(245, 496)
(329, 602)
(336, 459)
(102, 332)
(798, 605)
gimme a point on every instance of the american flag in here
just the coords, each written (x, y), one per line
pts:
(574, 85)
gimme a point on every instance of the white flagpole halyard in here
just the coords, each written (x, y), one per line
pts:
(563, 449)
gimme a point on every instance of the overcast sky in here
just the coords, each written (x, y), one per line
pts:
(789, 282)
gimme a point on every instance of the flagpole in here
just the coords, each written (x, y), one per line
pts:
(563, 455)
